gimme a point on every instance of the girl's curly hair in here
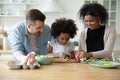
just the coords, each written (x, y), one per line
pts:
(63, 25)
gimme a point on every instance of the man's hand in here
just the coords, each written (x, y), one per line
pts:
(30, 58)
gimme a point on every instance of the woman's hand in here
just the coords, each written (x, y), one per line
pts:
(82, 54)
(71, 55)
(78, 55)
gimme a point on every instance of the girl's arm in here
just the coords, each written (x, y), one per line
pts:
(49, 52)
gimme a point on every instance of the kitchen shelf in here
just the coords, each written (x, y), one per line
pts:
(12, 16)
(20, 3)
(15, 9)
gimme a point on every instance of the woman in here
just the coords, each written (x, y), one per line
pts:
(98, 39)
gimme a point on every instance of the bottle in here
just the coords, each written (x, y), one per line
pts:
(5, 43)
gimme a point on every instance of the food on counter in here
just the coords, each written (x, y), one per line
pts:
(64, 60)
(44, 59)
(104, 64)
(91, 59)
(118, 57)
(14, 64)
(32, 60)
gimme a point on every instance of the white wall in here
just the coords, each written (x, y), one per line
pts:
(69, 10)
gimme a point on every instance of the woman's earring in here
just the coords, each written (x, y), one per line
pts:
(102, 23)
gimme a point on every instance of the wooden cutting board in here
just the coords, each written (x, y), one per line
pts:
(62, 60)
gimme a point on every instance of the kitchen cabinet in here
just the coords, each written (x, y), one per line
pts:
(12, 11)
(15, 9)
(113, 10)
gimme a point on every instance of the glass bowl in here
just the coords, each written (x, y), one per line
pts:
(44, 59)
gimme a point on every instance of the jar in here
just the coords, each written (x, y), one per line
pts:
(5, 43)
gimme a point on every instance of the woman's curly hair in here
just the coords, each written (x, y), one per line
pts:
(63, 25)
(96, 10)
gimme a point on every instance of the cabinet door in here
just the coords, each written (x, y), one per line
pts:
(12, 9)
(113, 11)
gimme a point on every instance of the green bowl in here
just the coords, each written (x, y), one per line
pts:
(44, 59)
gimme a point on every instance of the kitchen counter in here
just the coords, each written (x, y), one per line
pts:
(5, 51)
(60, 71)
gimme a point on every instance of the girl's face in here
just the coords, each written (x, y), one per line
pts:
(63, 38)
(92, 22)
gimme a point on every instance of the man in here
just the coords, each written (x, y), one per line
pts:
(31, 36)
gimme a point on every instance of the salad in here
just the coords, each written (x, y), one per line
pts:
(91, 59)
(118, 57)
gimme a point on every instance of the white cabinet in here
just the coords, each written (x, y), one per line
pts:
(14, 9)
(113, 10)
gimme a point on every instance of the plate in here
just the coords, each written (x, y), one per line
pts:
(104, 64)
(14, 64)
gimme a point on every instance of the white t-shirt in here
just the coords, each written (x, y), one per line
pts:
(57, 47)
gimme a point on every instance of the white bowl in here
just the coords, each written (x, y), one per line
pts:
(14, 64)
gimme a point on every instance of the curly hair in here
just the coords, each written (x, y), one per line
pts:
(63, 25)
(96, 10)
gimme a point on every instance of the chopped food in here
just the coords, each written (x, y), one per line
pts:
(106, 63)
(45, 56)
(91, 59)
(119, 56)
(63, 59)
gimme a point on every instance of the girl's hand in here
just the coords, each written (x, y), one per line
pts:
(72, 55)
(62, 55)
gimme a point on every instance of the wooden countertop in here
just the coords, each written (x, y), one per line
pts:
(60, 71)
(5, 51)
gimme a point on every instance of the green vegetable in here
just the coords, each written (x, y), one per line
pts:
(119, 56)
(44, 56)
(63, 59)
(91, 59)
(105, 63)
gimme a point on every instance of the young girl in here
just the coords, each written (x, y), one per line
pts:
(62, 30)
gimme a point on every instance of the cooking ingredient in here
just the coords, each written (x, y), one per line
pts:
(32, 60)
(91, 59)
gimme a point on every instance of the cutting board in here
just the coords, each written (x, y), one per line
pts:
(62, 60)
